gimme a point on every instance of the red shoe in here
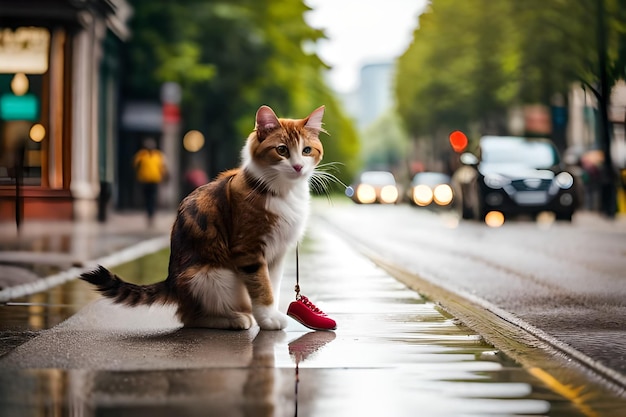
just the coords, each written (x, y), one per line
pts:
(305, 312)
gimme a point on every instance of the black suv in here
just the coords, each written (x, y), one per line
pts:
(514, 175)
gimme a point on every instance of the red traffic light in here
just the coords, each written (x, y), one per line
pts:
(458, 140)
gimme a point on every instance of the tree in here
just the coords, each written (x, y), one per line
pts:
(471, 61)
(230, 57)
(385, 142)
(458, 69)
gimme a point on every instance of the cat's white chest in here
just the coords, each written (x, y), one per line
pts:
(292, 212)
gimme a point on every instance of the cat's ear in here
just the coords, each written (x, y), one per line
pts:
(266, 121)
(314, 121)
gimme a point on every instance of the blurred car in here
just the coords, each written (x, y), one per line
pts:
(514, 176)
(375, 187)
(431, 189)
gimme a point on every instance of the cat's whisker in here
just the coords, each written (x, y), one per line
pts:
(320, 183)
(327, 178)
(320, 186)
(321, 180)
(331, 166)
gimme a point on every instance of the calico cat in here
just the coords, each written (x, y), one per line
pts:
(230, 236)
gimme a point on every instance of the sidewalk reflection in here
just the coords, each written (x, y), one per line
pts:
(304, 346)
(104, 359)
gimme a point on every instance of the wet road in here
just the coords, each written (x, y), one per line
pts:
(565, 282)
(394, 353)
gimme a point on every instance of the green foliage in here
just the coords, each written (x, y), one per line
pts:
(230, 57)
(471, 61)
(456, 70)
(616, 15)
(385, 142)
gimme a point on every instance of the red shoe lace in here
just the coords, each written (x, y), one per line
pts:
(310, 305)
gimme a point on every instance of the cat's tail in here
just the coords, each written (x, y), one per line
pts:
(121, 292)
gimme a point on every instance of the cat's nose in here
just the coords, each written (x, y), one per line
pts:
(297, 167)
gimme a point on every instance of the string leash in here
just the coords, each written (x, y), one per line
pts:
(303, 310)
(297, 287)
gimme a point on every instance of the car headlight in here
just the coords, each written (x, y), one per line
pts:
(388, 194)
(365, 194)
(496, 181)
(422, 195)
(443, 194)
(564, 180)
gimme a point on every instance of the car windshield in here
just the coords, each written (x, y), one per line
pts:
(518, 151)
(430, 178)
(377, 178)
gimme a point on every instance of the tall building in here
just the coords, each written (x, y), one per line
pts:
(373, 96)
(375, 92)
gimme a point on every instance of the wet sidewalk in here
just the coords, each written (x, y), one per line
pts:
(394, 353)
(56, 251)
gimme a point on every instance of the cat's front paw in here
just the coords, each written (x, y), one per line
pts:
(269, 318)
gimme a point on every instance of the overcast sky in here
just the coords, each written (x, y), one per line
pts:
(362, 32)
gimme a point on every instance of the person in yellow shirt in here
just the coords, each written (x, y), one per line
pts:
(151, 169)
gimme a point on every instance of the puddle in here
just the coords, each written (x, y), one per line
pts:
(393, 353)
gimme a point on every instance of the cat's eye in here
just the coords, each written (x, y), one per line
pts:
(282, 150)
(307, 150)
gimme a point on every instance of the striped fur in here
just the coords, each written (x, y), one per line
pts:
(230, 236)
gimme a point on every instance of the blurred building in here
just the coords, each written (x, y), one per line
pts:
(58, 104)
(375, 91)
(373, 96)
(583, 122)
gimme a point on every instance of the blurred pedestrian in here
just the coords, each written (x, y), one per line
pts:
(151, 169)
(592, 162)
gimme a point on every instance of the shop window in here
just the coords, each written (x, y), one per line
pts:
(23, 130)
